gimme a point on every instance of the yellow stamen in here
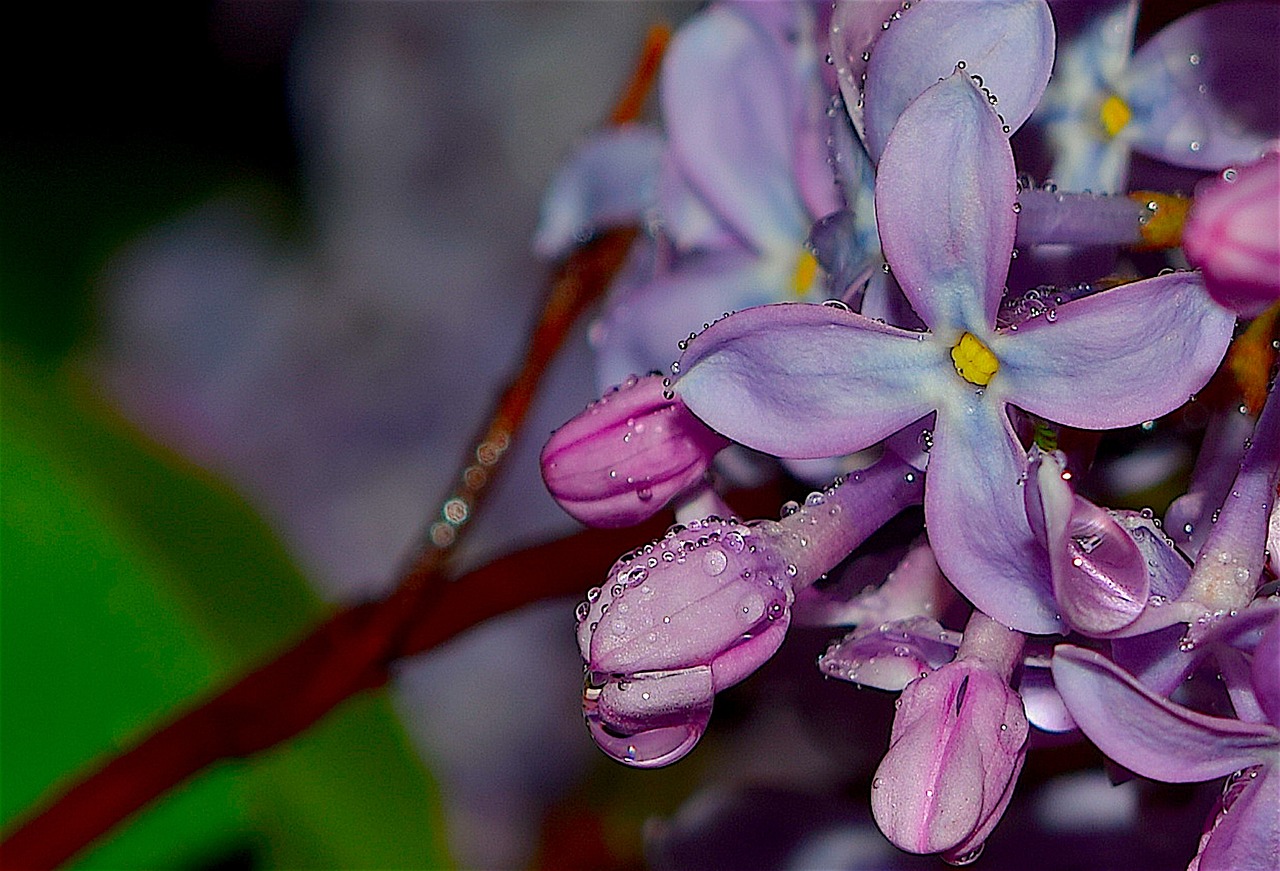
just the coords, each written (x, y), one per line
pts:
(974, 361)
(1114, 115)
(1166, 213)
(804, 274)
(1251, 357)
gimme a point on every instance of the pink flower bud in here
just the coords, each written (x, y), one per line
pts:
(677, 621)
(958, 742)
(628, 454)
(1233, 234)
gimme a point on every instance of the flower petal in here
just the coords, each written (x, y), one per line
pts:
(1116, 358)
(798, 380)
(1203, 90)
(1266, 672)
(1149, 734)
(727, 109)
(611, 180)
(1099, 576)
(976, 518)
(890, 655)
(1245, 834)
(855, 26)
(1009, 44)
(944, 205)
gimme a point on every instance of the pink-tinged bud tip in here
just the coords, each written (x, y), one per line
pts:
(1233, 234)
(628, 454)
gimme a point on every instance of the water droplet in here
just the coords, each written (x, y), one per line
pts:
(644, 494)
(593, 594)
(788, 508)
(968, 858)
(877, 783)
(714, 562)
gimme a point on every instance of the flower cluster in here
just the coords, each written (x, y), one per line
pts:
(863, 278)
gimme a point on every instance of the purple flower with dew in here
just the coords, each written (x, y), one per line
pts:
(1233, 235)
(1199, 94)
(743, 176)
(958, 743)
(1165, 741)
(701, 608)
(1099, 576)
(812, 381)
(628, 454)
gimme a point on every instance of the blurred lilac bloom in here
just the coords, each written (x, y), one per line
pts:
(1165, 741)
(743, 176)
(703, 607)
(628, 454)
(958, 743)
(1199, 94)
(812, 381)
(1233, 234)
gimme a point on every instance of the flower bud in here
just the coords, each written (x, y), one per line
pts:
(1233, 235)
(677, 621)
(621, 460)
(958, 742)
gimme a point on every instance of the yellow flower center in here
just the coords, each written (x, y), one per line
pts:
(804, 274)
(1114, 115)
(1166, 213)
(974, 361)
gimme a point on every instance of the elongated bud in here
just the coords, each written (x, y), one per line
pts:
(622, 460)
(958, 743)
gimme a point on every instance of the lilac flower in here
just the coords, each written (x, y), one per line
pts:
(627, 455)
(1166, 741)
(743, 177)
(700, 609)
(811, 381)
(958, 742)
(1233, 234)
(1200, 94)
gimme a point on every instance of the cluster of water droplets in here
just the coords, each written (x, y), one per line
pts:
(652, 633)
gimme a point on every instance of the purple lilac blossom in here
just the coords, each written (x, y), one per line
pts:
(809, 381)
(1233, 234)
(1199, 94)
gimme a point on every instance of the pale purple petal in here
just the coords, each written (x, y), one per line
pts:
(1008, 44)
(1226, 437)
(1245, 834)
(944, 205)
(684, 218)
(1266, 672)
(650, 719)
(1230, 565)
(976, 518)
(1116, 358)
(855, 26)
(647, 317)
(610, 181)
(890, 655)
(800, 380)
(1100, 578)
(1147, 733)
(728, 114)
(1233, 234)
(1203, 90)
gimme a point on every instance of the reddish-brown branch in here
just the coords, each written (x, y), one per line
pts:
(353, 650)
